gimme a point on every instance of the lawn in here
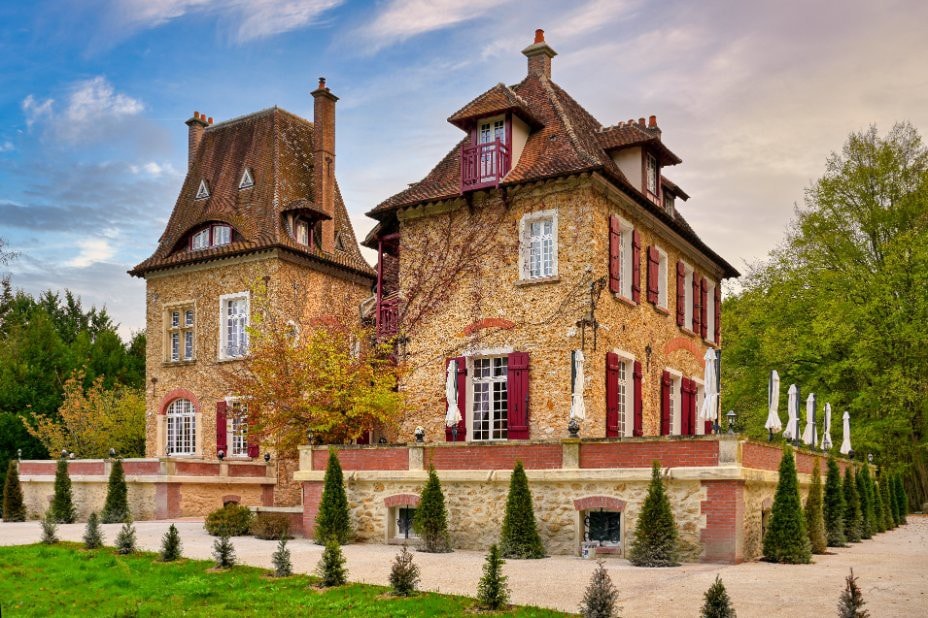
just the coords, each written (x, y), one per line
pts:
(65, 580)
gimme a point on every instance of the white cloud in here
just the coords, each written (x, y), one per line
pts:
(92, 250)
(34, 110)
(7, 146)
(154, 169)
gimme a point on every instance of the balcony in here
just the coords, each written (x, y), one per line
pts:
(483, 165)
(388, 317)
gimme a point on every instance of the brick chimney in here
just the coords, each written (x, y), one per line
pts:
(324, 159)
(539, 55)
(197, 125)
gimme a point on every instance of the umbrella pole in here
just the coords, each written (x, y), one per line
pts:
(718, 391)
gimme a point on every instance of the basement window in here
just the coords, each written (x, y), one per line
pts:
(602, 528)
(401, 518)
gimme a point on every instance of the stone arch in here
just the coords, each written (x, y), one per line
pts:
(599, 502)
(401, 500)
(178, 393)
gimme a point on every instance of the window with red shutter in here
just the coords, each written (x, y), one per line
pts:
(681, 294)
(461, 378)
(685, 398)
(221, 416)
(612, 395)
(703, 291)
(653, 274)
(636, 266)
(718, 313)
(666, 419)
(692, 407)
(518, 419)
(697, 309)
(639, 421)
(615, 265)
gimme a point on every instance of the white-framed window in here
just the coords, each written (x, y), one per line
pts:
(490, 397)
(179, 333)
(302, 232)
(247, 180)
(237, 429)
(233, 325)
(182, 428)
(626, 393)
(222, 235)
(538, 244)
(710, 311)
(200, 240)
(215, 235)
(652, 174)
(688, 297)
(400, 524)
(492, 129)
(676, 402)
(669, 202)
(700, 395)
(663, 271)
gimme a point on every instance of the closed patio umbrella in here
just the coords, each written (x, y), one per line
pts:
(577, 407)
(846, 443)
(710, 403)
(810, 434)
(826, 435)
(453, 416)
(773, 424)
(792, 411)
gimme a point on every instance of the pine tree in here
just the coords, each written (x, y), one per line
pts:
(116, 509)
(223, 553)
(600, 596)
(786, 540)
(331, 567)
(492, 589)
(834, 505)
(431, 518)
(867, 513)
(171, 546)
(49, 529)
(13, 507)
(902, 501)
(281, 559)
(655, 543)
(852, 518)
(404, 574)
(93, 535)
(717, 603)
(519, 536)
(62, 503)
(879, 519)
(815, 517)
(889, 521)
(333, 519)
(125, 540)
(852, 601)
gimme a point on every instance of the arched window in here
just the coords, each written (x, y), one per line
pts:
(182, 428)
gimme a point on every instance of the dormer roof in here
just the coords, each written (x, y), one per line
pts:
(497, 100)
(631, 134)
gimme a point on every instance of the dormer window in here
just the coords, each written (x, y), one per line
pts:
(652, 174)
(247, 180)
(203, 191)
(668, 202)
(215, 235)
(487, 159)
(302, 232)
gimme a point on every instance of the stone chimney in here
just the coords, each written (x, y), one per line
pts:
(539, 55)
(197, 125)
(324, 159)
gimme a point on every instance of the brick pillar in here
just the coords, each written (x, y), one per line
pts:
(723, 536)
(312, 499)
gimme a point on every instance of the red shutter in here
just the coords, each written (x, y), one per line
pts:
(517, 384)
(685, 398)
(638, 430)
(462, 399)
(703, 304)
(681, 294)
(697, 310)
(653, 274)
(252, 442)
(636, 266)
(615, 237)
(718, 312)
(612, 395)
(221, 418)
(665, 403)
(693, 421)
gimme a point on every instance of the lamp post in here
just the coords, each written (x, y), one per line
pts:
(573, 428)
(454, 433)
(267, 458)
(112, 453)
(420, 434)
(309, 436)
(731, 421)
(221, 454)
(19, 454)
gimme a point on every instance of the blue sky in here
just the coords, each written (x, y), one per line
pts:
(94, 95)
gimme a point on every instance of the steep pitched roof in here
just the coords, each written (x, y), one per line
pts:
(277, 147)
(626, 135)
(498, 99)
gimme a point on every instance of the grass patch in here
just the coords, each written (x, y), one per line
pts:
(65, 580)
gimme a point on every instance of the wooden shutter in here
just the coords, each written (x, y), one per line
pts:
(517, 385)
(697, 309)
(462, 399)
(612, 395)
(691, 410)
(639, 421)
(666, 383)
(636, 266)
(718, 312)
(704, 309)
(681, 294)
(221, 420)
(654, 262)
(615, 268)
(685, 407)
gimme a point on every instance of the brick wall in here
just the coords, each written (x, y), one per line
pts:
(380, 458)
(767, 457)
(493, 457)
(724, 512)
(312, 498)
(670, 453)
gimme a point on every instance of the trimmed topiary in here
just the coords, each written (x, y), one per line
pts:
(834, 506)
(333, 519)
(600, 596)
(93, 536)
(786, 540)
(281, 559)
(815, 516)
(493, 589)
(889, 520)
(866, 506)
(852, 517)
(62, 502)
(879, 519)
(269, 526)
(171, 546)
(116, 509)
(13, 507)
(852, 601)
(656, 535)
(125, 540)
(49, 529)
(404, 574)
(223, 553)
(717, 603)
(331, 569)
(431, 519)
(519, 536)
(231, 520)
(901, 499)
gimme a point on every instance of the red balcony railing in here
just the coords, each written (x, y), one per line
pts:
(483, 165)
(388, 317)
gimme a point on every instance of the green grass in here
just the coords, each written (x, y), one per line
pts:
(65, 580)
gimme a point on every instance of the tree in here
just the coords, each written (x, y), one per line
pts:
(171, 547)
(93, 536)
(62, 504)
(834, 505)
(717, 603)
(404, 574)
(493, 589)
(786, 540)
(116, 509)
(814, 511)
(519, 535)
(333, 521)
(431, 519)
(281, 559)
(879, 519)
(901, 500)
(600, 596)
(889, 516)
(13, 507)
(656, 535)
(867, 525)
(852, 601)
(125, 539)
(852, 516)
(224, 553)
(49, 529)
(331, 569)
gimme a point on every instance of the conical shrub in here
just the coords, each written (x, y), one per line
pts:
(431, 518)
(223, 553)
(333, 521)
(834, 506)
(866, 505)
(852, 518)
(814, 511)
(717, 603)
(283, 567)
(49, 529)
(600, 596)
(404, 574)
(13, 507)
(93, 535)
(171, 546)
(116, 508)
(786, 540)
(879, 520)
(902, 501)
(62, 502)
(331, 568)
(519, 536)
(125, 540)
(852, 602)
(493, 589)
(656, 535)
(889, 519)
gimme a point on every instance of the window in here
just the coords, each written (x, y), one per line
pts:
(233, 325)
(710, 312)
(668, 203)
(662, 273)
(182, 428)
(492, 130)
(626, 255)
(202, 191)
(602, 528)
(700, 395)
(539, 245)
(490, 398)
(676, 416)
(237, 430)
(652, 174)
(247, 180)
(180, 334)
(404, 519)
(624, 389)
(222, 235)
(211, 236)
(688, 298)
(200, 240)
(302, 232)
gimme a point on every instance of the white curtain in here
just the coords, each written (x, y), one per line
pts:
(453, 417)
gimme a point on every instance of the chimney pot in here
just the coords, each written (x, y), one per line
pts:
(641, 122)
(539, 55)
(321, 83)
(196, 115)
(539, 36)
(210, 121)
(652, 121)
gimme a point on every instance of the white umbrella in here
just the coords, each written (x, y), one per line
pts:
(810, 435)
(792, 411)
(773, 403)
(826, 435)
(577, 407)
(453, 416)
(846, 443)
(710, 402)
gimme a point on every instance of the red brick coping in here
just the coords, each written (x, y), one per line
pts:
(599, 502)
(401, 500)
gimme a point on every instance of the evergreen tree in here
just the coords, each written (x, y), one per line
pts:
(717, 603)
(852, 601)
(116, 509)
(125, 540)
(13, 507)
(902, 501)
(519, 536)
(281, 559)
(879, 519)
(93, 536)
(431, 518)
(815, 516)
(331, 567)
(600, 596)
(333, 519)
(404, 574)
(62, 503)
(492, 589)
(867, 524)
(852, 517)
(834, 505)
(889, 519)
(223, 553)
(49, 529)
(786, 540)
(171, 546)
(655, 543)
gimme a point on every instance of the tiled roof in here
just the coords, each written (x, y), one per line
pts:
(626, 135)
(674, 188)
(277, 147)
(498, 99)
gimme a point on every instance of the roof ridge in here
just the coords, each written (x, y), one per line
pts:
(274, 109)
(548, 86)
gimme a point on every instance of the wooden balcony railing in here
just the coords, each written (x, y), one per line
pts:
(483, 165)
(388, 317)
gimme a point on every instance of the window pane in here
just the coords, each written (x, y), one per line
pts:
(188, 317)
(175, 318)
(623, 394)
(188, 345)
(175, 346)
(602, 527)
(490, 406)
(222, 235)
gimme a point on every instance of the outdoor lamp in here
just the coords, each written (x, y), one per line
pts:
(869, 457)
(112, 453)
(267, 458)
(731, 421)
(573, 428)
(309, 436)
(420, 434)
(64, 453)
(221, 454)
(454, 433)
(19, 453)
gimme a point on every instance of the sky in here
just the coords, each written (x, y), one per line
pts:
(753, 96)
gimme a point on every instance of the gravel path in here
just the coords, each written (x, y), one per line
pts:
(893, 571)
